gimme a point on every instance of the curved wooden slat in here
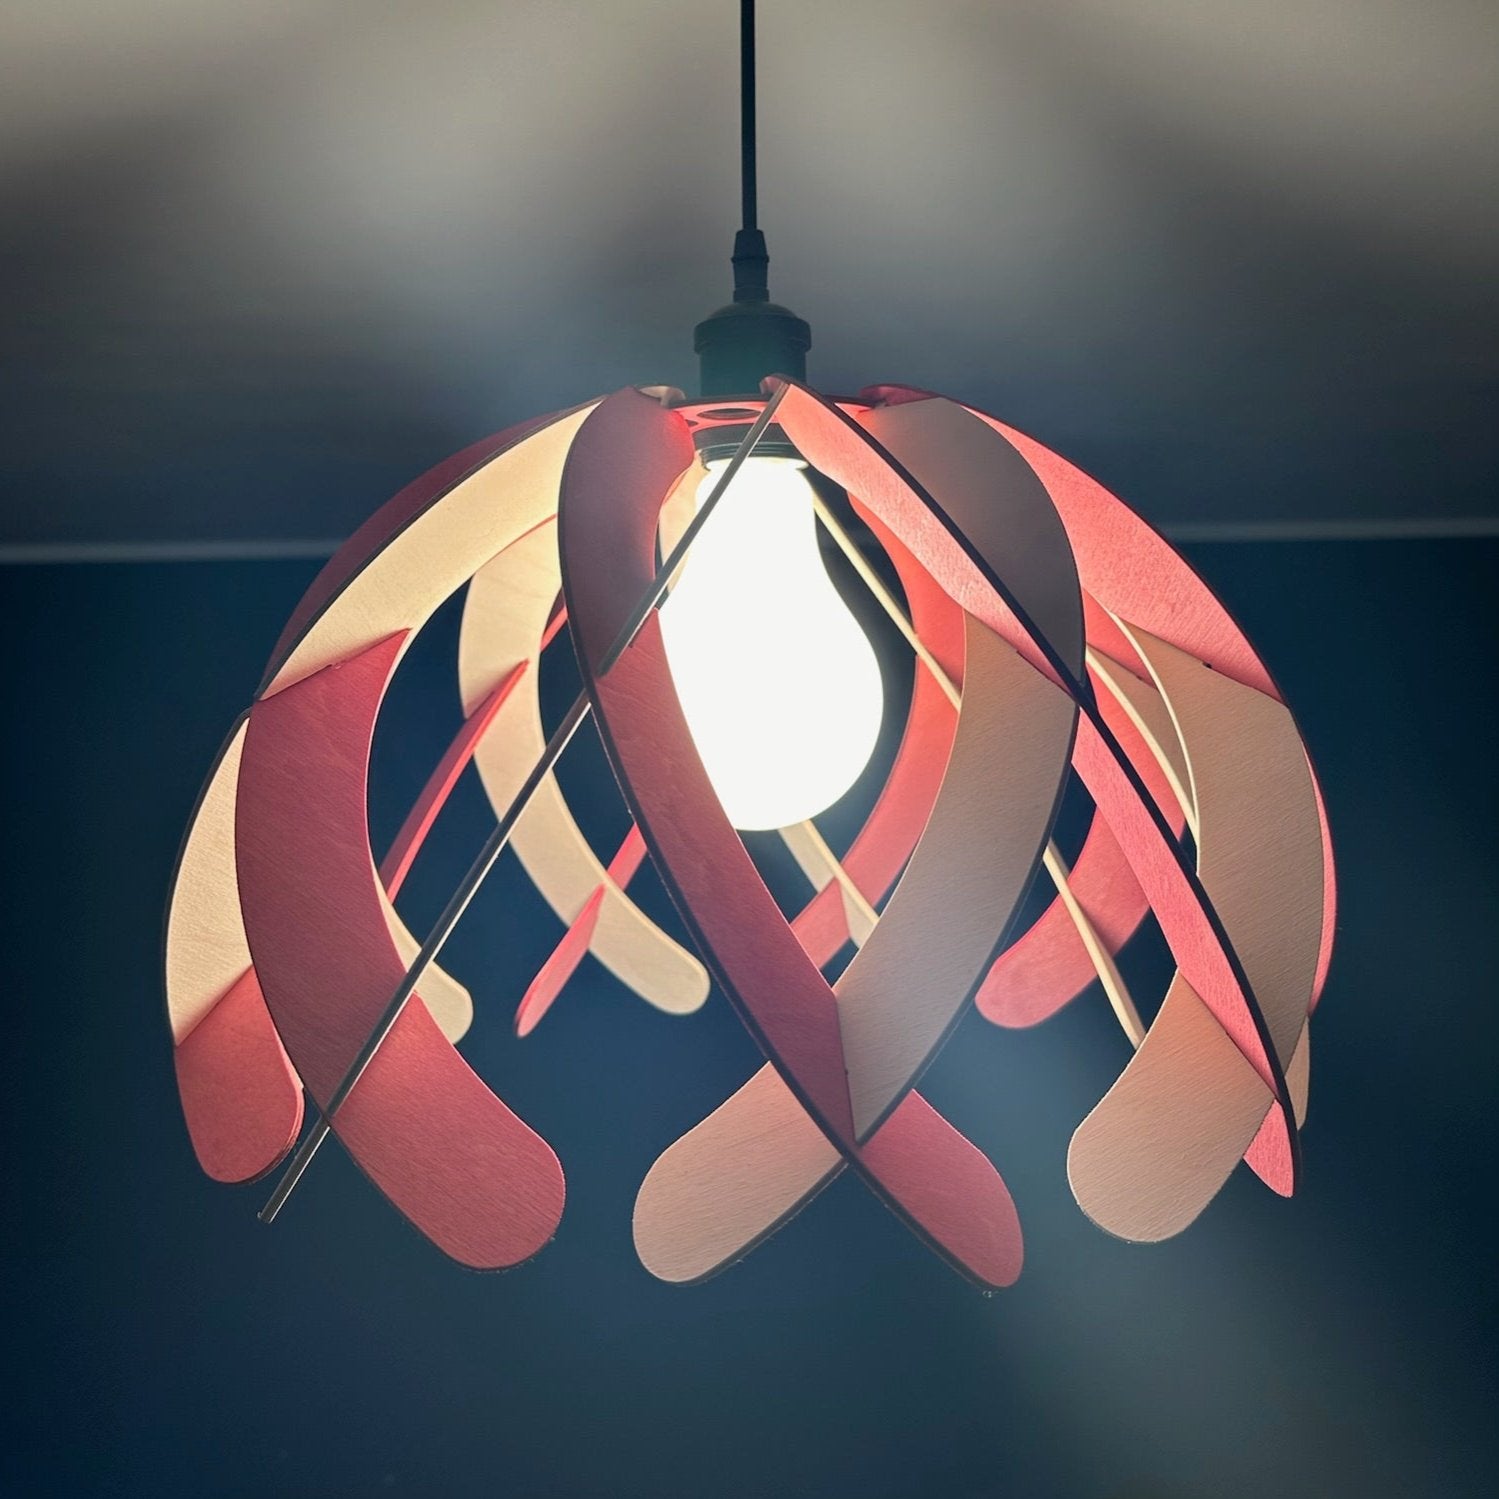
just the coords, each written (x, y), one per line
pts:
(625, 461)
(387, 523)
(967, 876)
(1192, 928)
(1136, 575)
(206, 951)
(460, 1165)
(576, 941)
(1049, 965)
(900, 996)
(509, 602)
(241, 1097)
(302, 842)
(1156, 1149)
(401, 854)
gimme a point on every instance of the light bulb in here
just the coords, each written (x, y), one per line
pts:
(779, 684)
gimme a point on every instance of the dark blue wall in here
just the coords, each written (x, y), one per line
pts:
(163, 1343)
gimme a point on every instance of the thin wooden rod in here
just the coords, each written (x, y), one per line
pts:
(561, 736)
(841, 876)
(1103, 964)
(441, 930)
(885, 599)
(653, 595)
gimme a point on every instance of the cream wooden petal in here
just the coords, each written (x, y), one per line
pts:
(1164, 1139)
(902, 993)
(438, 551)
(821, 866)
(1161, 1143)
(730, 1182)
(206, 950)
(1259, 831)
(509, 602)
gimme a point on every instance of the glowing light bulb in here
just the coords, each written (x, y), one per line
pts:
(779, 684)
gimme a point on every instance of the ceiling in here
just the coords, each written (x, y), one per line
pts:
(263, 263)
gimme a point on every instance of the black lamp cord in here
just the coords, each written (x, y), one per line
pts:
(751, 262)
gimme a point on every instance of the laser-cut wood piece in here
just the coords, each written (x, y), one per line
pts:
(240, 1095)
(401, 854)
(817, 861)
(1051, 963)
(1158, 1147)
(509, 602)
(448, 1154)
(576, 941)
(1135, 574)
(328, 981)
(1191, 926)
(624, 462)
(386, 523)
(1004, 514)
(1147, 711)
(900, 996)
(731, 1182)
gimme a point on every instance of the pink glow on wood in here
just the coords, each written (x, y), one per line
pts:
(1136, 574)
(1191, 928)
(616, 479)
(624, 462)
(551, 977)
(569, 952)
(1329, 895)
(240, 1097)
(459, 1164)
(883, 845)
(1133, 572)
(1048, 965)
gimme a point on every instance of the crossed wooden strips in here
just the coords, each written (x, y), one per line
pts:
(1060, 634)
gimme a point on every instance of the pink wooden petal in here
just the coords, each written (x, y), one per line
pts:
(627, 458)
(758, 1159)
(623, 464)
(559, 967)
(570, 951)
(459, 1164)
(1136, 574)
(1192, 929)
(240, 1096)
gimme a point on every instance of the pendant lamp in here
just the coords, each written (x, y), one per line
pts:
(674, 542)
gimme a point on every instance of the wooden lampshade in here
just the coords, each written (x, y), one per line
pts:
(1058, 635)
